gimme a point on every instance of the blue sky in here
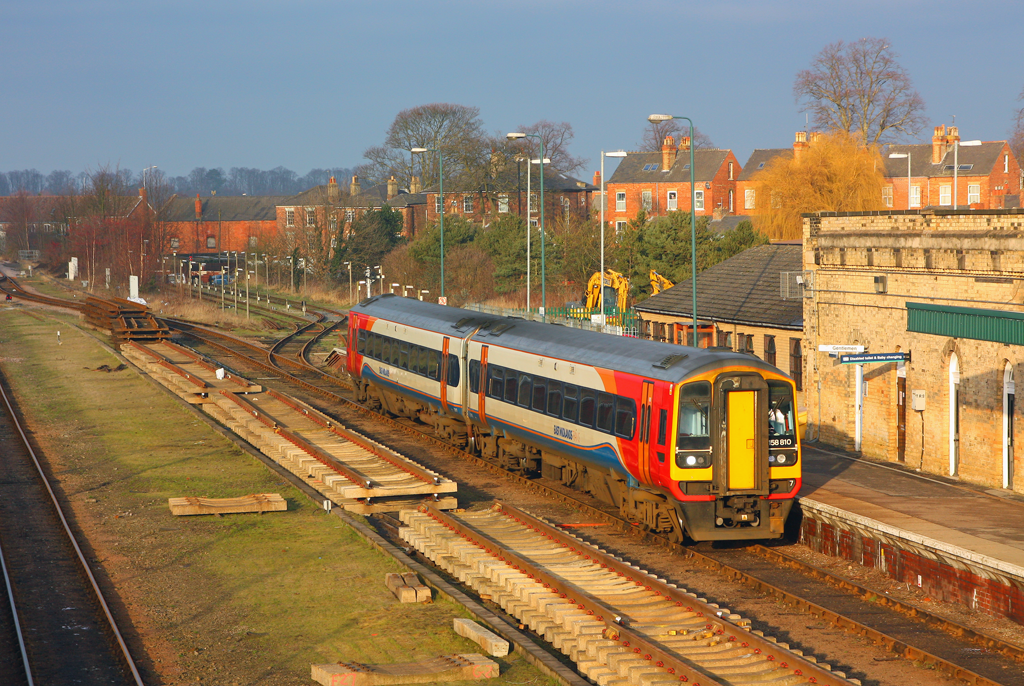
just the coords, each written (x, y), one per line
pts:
(313, 83)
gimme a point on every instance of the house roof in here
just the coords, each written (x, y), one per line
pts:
(742, 290)
(706, 162)
(506, 182)
(973, 160)
(229, 208)
(759, 159)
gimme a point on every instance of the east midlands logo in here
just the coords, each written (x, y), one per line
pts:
(562, 432)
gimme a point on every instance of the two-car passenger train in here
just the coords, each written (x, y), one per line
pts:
(683, 440)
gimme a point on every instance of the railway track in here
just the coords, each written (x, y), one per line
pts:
(295, 370)
(58, 626)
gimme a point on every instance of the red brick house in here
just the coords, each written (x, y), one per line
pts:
(988, 176)
(659, 182)
(746, 182)
(218, 224)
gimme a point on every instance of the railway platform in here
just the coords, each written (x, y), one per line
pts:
(957, 542)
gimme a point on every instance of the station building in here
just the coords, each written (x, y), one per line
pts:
(945, 288)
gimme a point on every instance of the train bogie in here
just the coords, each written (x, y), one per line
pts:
(681, 440)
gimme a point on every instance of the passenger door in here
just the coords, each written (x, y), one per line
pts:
(644, 432)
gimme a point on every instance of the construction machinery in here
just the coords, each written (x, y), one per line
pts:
(659, 283)
(616, 290)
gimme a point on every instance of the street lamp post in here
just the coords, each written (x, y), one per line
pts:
(900, 156)
(515, 135)
(349, 265)
(604, 201)
(440, 188)
(654, 119)
(956, 166)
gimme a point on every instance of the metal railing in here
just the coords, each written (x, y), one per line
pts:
(617, 322)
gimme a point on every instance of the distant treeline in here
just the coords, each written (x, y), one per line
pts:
(236, 181)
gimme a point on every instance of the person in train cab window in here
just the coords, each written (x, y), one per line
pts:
(776, 420)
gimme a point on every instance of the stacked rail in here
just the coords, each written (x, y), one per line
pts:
(347, 468)
(619, 624)
(124, 319)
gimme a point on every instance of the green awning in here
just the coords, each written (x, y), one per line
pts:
(966, 322)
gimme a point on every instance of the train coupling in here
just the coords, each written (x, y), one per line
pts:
(738, 511)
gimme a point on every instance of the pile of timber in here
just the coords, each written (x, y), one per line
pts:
(123, 319)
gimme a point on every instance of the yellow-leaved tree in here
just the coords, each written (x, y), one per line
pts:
(836, 172)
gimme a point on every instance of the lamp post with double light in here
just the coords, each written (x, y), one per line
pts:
(516, 135)
(900, 156)
(604, 201)
(956, 166)
(440, 190)
(654, 119)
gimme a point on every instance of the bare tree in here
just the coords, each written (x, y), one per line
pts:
(556, 137)
(1017, 134)
(454, 130)
(656, 131)
(860, 88)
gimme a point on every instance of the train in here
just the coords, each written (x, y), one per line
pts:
(696, 444)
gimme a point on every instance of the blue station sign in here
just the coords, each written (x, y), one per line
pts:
(869, 358)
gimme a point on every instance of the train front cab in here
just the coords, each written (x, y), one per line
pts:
(737, 455)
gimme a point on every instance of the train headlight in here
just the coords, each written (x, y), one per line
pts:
(698, 461)
(691, 460)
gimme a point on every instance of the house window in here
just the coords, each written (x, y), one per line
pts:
(438, 204)
(334, 222)
(467, 204)
(673, 201)
(769, 349)
(211, 242)
(503, 203)
(699, 200)
(915, 196)
(1006, 164)
(620, 228)
(310, 217)
(796, 363)
(289, 217)
(252, 241)
(174, 244)
(620, 202)
(973, 193)
(350, 215)
(645, 200)
(730, 171)
(748, 344)
(887, 195)
(945, 194)
(533, 202)
(534, 222)
(748, 199)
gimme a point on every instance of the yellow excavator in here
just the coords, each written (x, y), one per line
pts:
(616, 290)
(659, 283)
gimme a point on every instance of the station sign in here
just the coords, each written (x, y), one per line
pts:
(871, 358)
(840, 349)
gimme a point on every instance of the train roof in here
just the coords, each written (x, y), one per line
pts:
(651, 359)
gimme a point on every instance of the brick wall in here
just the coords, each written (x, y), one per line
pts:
(967, 259)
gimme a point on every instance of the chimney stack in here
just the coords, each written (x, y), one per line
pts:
(684, 144)
(668, 153)
(939, 144)
(199, 208)
(597, 178)
(414, 185)
(332, 191)
(799, 145)
(392, 188)
(354, 189)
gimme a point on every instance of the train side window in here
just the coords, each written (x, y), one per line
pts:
(403, 355)
(662, 426)
(511, 385)
(694, 406)
(525, 390)
(496, 381)
(453, 369)
(419, 357)
(378, 346)
(474, 376)
(554, 398)
(433, 361)
(386, 354)
(605, 412)
(395, 346)
(362, 341)
(540, 394)
(625, 417)
(570, 403)
(588, 407)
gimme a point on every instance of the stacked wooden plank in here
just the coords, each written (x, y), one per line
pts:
(123, 319)
(257, 502)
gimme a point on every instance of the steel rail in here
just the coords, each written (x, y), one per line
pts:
(111, 622)
(17, 621)
(899, 647)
